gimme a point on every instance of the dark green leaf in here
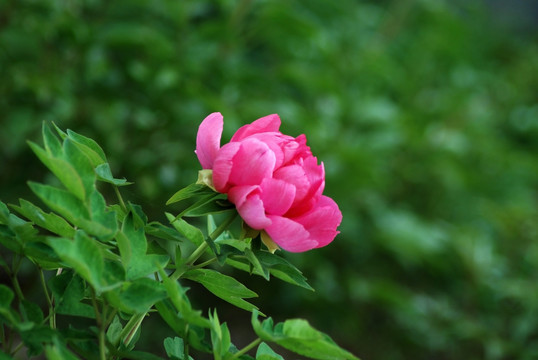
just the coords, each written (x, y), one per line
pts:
(58, 351)
(31, 312)
(69, 293)
(191, 190)
(161, 231)
(223, 286)
(140, 295)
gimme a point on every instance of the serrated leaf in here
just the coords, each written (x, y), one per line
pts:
(105, 174)
(61, 201)
(49, 221)
(223, 286)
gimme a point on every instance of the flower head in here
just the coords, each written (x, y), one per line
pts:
(273, 179)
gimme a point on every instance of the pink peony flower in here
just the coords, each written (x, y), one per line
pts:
(274, 181)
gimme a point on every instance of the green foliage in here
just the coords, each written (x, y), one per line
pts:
(111, 267)
(423, 112)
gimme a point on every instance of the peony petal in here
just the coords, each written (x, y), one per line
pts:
(322, 221)
(222, 166)
(277, 196)
(265, 124)
(294, 174)
(289, 234)
(208, 139)
(253, 162)
(249, 206)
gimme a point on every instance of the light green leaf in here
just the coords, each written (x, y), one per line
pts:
(175, 348)
(58, 351)
(105, 174)
(94, 152)
(49, 221)
(265, 352)
(220, 336)
(192, 233)
(114, 331)
(223, 286)
(53, 146)
(61, 201)
(82, 165)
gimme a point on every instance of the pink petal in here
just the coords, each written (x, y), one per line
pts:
(222, 166)
(249, 206)
(322, 221)
(277, 196)
(265, 124)
(252, 163)
(289, 235)
(208, 139)
(294, 174)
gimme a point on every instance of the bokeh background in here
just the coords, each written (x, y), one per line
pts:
(425, 113)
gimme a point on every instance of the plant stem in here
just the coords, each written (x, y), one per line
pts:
(197, 253)
(120, 199)
(244, 350)
(52, 315)
(131, 327)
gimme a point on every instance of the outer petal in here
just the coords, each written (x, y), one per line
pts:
(277, 196)
(322, 221)
(222, 166)
(289, 234)
(253, 162)
(208, 139)
(265, 124)
(249, 206)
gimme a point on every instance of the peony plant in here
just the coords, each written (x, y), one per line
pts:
(103, 267)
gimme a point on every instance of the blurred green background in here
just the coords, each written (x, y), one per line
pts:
(424, 112)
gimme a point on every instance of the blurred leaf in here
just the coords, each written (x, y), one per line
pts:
(31, 312)
(58, 351)
(265, 352)
(175, 348)
(105, 174)
(223, 286)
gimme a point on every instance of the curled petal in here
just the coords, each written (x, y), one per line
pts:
(253, 162)
(208, 139)
(277, 196)
(322, 221)
(265, 124)
(289, 234)
(222, 166)
(249, 206)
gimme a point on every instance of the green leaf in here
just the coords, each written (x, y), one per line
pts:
(92, 150)
(220, 336)
(223, 286)
(265, 352)
(87, 259)
(191, 190)
(179, 299)
(214, 203)
(53, 146)
(161, 231)
(31, 312)
(35, 337)
(140, 295)
(103, 222)
(114, 331)
(133, 246)
(63, 170)
(300, 337)
(105, 174)
(175, 348)
(58, 351)
(69, 292)
(62, 202)
(191, 233)
(6, 297)
(49, 221)
(81, 164)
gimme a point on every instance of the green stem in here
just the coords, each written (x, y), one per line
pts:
(16, 265)
(52, 315)
(131, 327)
(120, 199)
(244, 350)
(205, 263)
(197, 253)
